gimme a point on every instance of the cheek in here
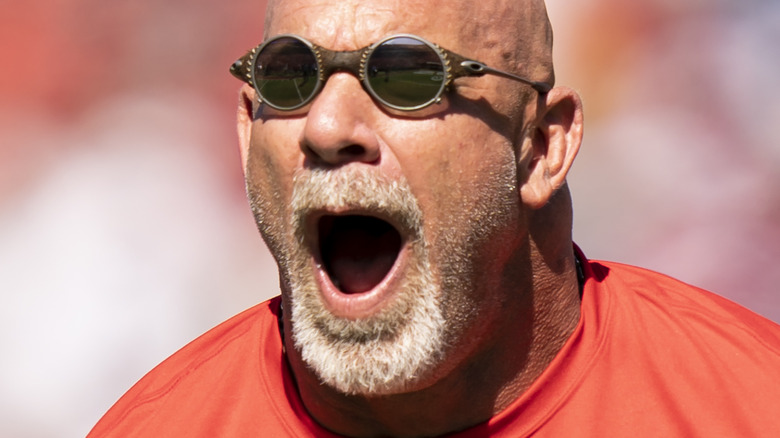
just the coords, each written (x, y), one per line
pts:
(269, 173)
(464, 177)
(274, 154)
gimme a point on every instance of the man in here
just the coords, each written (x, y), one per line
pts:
(414, 196)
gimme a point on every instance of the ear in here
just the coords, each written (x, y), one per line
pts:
(549, 150)
(245, 118)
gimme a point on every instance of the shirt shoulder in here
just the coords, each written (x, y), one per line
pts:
(675, 360)
(220, 384)
(667, 303)
(652, 356)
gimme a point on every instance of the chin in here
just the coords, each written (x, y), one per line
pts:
(392, 351)
(366, 311)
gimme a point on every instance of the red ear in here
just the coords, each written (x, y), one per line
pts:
(554, 144)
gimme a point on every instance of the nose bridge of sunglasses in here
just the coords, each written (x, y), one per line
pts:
(331, 62)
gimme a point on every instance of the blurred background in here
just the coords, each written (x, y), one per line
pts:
(124, 229)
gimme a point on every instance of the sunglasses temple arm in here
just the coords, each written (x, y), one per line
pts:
(476, 68)
(240, 68)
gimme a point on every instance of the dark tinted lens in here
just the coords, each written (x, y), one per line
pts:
(286, 73)
(405, 72)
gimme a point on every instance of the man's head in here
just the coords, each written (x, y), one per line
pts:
(407, 242)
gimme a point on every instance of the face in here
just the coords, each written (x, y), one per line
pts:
(391, 231)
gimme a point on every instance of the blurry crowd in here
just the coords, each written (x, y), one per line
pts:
(124, 230)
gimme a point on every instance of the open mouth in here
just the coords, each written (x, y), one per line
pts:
(357, 251)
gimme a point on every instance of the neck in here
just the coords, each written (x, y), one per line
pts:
(537, 317)
(473, 392)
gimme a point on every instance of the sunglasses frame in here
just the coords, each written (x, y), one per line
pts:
(354, 61)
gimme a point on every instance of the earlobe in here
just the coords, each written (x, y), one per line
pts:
(244, 120)
(552, 146)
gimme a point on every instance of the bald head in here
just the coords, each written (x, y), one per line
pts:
(511, 34)
(517, 35)
(476, 168)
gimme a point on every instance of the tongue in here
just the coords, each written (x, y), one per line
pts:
(358, 251)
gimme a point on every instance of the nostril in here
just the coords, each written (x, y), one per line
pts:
(352, 151)
(340, 155)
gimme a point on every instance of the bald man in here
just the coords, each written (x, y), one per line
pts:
(406, 164)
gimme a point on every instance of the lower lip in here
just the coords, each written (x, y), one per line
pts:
(364, 304)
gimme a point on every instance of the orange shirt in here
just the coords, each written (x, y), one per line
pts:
(651, 356)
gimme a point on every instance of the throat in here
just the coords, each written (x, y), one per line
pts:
(357, 251)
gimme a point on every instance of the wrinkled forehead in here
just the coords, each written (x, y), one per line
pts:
(350, 24)
(509, 34)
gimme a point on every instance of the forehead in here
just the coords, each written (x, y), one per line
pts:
(351, 24)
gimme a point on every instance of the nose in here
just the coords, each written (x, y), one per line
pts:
(339, 126)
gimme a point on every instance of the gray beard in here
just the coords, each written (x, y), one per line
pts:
(401, 348)
(389, 352)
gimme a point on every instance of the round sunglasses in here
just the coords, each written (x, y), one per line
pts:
(402, 72)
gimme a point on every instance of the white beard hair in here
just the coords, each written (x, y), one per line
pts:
(387, 353)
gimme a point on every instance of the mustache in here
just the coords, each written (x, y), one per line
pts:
(355, 191)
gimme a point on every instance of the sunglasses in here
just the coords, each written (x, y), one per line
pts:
(402, 72)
